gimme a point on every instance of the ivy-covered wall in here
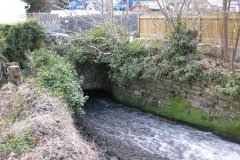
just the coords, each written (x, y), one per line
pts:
(218, 106)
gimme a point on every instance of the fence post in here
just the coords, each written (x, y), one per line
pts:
(139, 26)
(200, 28)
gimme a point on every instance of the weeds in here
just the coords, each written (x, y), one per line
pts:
(18, 144)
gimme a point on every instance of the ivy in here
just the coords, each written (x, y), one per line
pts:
(20, 38)
(173, 60)
(58, 75)
(3, 46)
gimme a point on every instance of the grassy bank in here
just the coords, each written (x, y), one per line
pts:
(181, 111)
(38, 125)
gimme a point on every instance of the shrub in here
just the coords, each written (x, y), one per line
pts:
(3, 44)
(93, 46)
(127, 63)
(182, 43)
(174, 60)
(130, 60)
(58, 75)
(231, 85)
(3, 59)
(3, 47)
(189, 72)
(20, 38)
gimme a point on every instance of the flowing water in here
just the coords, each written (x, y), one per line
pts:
(126, 133)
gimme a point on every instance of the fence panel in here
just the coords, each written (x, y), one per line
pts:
(209, 26)
(44, 17)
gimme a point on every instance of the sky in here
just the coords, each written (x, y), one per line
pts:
(11, 10)
(217, 2)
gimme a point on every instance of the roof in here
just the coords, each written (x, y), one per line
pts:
(151, 6)
(219, 3)
(181, 1)
(173, 1)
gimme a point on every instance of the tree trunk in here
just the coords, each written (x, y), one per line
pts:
(225, 31)
(14, 73)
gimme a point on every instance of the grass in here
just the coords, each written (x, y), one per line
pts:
(18, 144)
(179, 110)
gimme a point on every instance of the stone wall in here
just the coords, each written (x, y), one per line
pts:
(159, 93)
(95, 76)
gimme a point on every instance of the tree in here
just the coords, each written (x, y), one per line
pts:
(44, 5)
(36, 5)
(173, 16)
(226, 5)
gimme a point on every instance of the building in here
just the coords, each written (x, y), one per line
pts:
(174, 5)
(194, 4)
(149, 6)
(12, 11)
(216, 5)
(235, 6)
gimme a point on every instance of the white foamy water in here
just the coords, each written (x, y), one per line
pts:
(131, 134)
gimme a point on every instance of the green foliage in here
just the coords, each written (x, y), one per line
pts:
(181, 111)
(3, 47)
(20, 38)
(93, 46)
(127, 63)
(231, 85)
(58, 75)
(173, 60)
(182, 43)
(130, 60)
(3, 44)
(18, 144)
(189, 72)
(223, 83)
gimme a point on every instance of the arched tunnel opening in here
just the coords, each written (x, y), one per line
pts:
(97, 93)
(96, 79)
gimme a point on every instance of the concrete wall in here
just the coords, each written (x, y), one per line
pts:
(86, 23)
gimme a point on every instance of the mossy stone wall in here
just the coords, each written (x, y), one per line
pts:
(204, 97)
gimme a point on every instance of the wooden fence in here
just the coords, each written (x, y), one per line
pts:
(209, 26)
(44, 17)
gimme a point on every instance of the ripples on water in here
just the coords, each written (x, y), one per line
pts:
(131, 134)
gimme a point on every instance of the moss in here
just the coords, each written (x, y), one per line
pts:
(179, 110)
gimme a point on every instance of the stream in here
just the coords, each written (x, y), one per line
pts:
(128, 134)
